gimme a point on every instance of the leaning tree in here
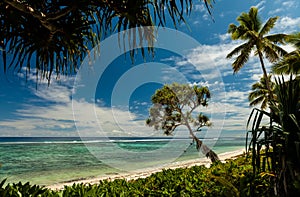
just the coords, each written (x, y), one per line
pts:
(175, 105)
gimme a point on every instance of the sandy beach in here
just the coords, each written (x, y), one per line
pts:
(143, 173)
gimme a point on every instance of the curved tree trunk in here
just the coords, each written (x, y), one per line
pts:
(200, 145)
(206, 150)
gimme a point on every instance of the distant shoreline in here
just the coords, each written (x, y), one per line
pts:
(143, 173)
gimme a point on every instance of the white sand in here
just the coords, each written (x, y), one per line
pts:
(143, 173)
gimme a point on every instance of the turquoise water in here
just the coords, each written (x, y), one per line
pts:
(46, 161)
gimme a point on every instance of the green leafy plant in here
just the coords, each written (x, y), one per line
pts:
(260, 93)
(290, 63)
(280, 137)
(19, 189)
(174, 105)
(65, 31)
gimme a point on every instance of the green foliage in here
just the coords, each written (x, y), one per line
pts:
(260, 93)
(19, 190)
(280, 138)
(65, 31)
(174, 104)
(255, 33)
(232, 178)
(290, 63)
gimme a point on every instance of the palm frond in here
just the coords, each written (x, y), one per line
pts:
(268, 26)
(255, 19)
(238, 32)
(281, 135)
(272, 51)
(243, 57)
(238, 50)
(250, 29)
(277, 38)
(294, 39)
(250, 20)
(289, 64)
(65, 31)
(259, 100)
(260, 93)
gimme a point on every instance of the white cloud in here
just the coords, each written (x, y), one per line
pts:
(59, 113)
(57, 119)
(199, 8)
(236, 102)
(256, 77)
(289, 4)
(211, 59)
(284, 7)
(224, 37)
(59, 116)
(236, 96)
(287, 25)
(260, 5)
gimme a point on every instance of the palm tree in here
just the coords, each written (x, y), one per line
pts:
(283, 135)
(290, 63)
(56, 35)
(260, 93)
(255, 33)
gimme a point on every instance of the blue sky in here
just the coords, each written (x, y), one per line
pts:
(119, 100)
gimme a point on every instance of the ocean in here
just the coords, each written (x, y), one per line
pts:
(50, 160)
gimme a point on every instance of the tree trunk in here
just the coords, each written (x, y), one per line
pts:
(206, 150)
(200, 145)
(265, 75)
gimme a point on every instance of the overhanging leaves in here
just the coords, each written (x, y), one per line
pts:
(55, 36)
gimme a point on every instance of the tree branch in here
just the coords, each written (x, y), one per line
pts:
(57, 15)
(43, 18)
(25, 8)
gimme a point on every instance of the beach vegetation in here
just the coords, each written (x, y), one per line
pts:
(176, 105)
(279, 138)
(20, 189)
(274, 129)
(232, 178)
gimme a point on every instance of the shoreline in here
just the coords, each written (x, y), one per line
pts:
(143, 173)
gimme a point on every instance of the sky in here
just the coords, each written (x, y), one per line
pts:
(111, 96)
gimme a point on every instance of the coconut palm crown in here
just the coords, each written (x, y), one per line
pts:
(260, 93)
(290, 63)
(255, 33)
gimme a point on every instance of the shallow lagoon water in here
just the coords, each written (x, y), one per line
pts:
(46, 161)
